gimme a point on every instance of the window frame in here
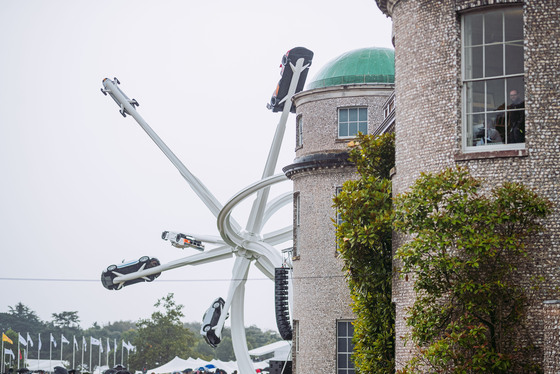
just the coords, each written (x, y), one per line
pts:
(358, 122)
(349, 367)
(299, 131)
(465, 83)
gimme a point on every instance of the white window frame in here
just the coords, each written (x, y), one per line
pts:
(466, 136)
(348, 122)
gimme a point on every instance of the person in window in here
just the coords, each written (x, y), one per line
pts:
(516, 115)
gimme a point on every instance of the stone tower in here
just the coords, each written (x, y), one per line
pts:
(346, 96)
(478, 86)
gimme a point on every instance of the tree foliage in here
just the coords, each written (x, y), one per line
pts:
(466, 249)
(364, 244)
(66, 319)
(162, 337)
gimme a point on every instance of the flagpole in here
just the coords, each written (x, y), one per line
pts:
(61, 346)
(3, 354)
(90, 349)
(73, 351)
(100, 356)
(18, 351)
(108, 352)
(39, 350)
(83, 341)
(50, 352)
(115, 354)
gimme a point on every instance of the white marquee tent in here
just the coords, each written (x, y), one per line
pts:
(178, 364)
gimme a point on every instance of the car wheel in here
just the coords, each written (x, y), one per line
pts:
(284, 60)
(144, 259)
(206, 328)
(112, 268)
(216, 305)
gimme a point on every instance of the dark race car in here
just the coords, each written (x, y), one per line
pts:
(276, 104)
(210, 320)
(113, 271)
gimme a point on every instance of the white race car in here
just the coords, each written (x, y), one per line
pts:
(181, 240)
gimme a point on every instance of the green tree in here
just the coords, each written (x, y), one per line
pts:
(364, 243)
(162, 337)
(66, 319)
(464, 254)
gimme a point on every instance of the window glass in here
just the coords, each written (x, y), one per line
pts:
(493, 80)
(351, 121)
(345, 333)
(513, 24)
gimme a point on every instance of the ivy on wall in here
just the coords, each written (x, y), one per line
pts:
(364, 243)
(467, 249)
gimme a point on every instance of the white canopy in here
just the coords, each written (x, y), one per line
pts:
(46, 365)
(178, 364)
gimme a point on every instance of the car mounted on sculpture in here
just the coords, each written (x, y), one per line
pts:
(210, 320)
(180, 240)
(276, 104)
(113, 271)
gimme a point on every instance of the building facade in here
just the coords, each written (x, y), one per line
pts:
(478, 86)
(345, 97)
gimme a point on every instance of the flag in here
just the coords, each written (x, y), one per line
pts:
(29, 341)
(22, 341)
(84, 343)
(6, 339)
(53, 341)
(20, 356)
(64, 340)
(100, 347)
(76, 343)
(94, 341)
(40, 344)
(130, 346)
(9, 352)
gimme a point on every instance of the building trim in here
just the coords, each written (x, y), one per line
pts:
(347, 90)
(317, 161)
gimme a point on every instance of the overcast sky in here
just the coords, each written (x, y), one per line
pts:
(83, 188)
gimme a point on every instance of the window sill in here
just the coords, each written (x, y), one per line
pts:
(491, 154)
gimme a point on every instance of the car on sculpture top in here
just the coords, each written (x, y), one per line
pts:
(179, 240)
(276, 104)
(210, 320)
(113, 271)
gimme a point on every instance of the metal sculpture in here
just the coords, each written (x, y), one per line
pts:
(249, 245)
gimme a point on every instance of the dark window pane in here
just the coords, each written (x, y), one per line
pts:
(496, 129)
(476, 130)
(514, 24)
(475, 97)
(495, 94)
(342, 329)
(493, 27)
(342, 361)
(342, 345)
(473, 62)
(514, 58)
(517, 86)
(473, 29)
(494, 60)
(350, 329)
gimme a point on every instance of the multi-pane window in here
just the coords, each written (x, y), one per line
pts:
(493, 78)
(344, 347)
(296, 224)
(299, 131)
(351, 121)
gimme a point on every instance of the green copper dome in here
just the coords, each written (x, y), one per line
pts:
(366, 65)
